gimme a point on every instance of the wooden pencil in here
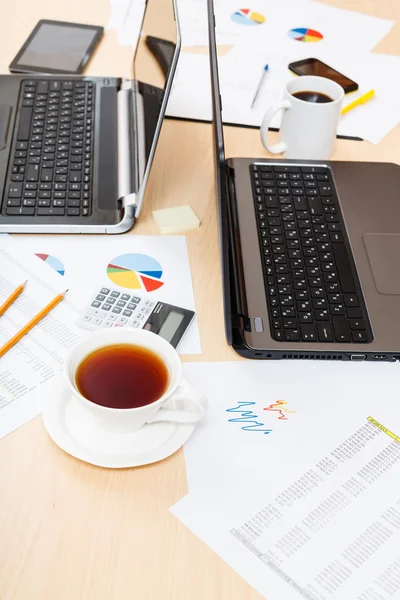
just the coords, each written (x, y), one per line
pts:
(11, 298)
(31, 324)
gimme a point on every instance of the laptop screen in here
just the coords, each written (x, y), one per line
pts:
(221, 175)
(153, 69)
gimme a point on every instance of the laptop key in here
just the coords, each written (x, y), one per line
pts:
(292, 335)
(324, 331)
(24, 125)
(15, 190)
(341, 329)
(23, 212)
(308, 333)
(51, 212)
(359, 336)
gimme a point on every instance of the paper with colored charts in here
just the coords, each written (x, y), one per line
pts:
(292, 22)
(303, 502)
(152, 266)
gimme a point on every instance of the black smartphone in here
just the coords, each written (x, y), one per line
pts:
(314, 66)
(57, 47)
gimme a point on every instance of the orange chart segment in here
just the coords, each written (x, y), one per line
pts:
(151, 284)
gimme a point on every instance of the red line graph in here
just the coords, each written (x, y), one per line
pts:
(281, 411)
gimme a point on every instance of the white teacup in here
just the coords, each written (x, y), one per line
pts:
(180, 403)
(308, 129)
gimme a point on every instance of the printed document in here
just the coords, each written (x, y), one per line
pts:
(314, 512)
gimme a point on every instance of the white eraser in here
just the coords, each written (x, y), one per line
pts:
(174, 220)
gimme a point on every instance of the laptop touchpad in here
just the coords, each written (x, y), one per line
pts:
(383, 252)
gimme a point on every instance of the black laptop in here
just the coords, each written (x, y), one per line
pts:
(76, 152)
(310, 252)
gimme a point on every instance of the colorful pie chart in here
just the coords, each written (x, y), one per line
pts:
(303, 34)
(135, 272)
(53, 262)
(245, 16)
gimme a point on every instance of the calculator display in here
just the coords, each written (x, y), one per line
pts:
(170, 325)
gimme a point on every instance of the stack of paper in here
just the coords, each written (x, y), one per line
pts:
(337, 33)
(293, 476)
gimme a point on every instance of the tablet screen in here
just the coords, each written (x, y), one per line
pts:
(58, 47)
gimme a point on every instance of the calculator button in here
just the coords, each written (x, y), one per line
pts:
(116, 310)
(110, 300)
(114, 294)
(136, 299)
(123, 320)
(87, 318)
(100, 297)
(121, 303)
(108, 324)
(127, 313)
(96, 304)
(97, 312)
(107, 306)
(104, 291)
(97, 321)
(131, 306)
(125, 297)
(111, 317)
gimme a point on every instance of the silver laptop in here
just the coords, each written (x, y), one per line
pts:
(310, 253)
(76, 152)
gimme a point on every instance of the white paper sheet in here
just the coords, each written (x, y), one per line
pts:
(29, 366)
(261, 410)
(315, 511)
(126, 18)
(337, 26)
(241, 69)
(85, 259)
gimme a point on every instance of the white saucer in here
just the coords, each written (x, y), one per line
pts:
(69, 429)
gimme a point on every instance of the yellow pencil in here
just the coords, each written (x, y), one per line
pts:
(11, 298)
(361, 100)
(31, 324)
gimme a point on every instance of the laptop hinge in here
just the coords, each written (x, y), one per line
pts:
(240, 320)
(127, 146)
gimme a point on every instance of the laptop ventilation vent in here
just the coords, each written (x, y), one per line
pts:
(313, 356)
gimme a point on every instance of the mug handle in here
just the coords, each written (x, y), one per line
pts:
(271, 111)
(185, 405)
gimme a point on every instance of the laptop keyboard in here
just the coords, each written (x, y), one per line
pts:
(312, 288)
(50, 172)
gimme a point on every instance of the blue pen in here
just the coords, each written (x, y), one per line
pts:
(260, 84)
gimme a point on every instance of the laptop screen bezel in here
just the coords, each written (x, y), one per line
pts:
(167, 91)
(221, 175)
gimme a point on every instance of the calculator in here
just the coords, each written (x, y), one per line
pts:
(113, 308)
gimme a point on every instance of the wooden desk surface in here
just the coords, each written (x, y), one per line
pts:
(71, 531)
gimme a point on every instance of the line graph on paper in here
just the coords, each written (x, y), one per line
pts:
(251, 419)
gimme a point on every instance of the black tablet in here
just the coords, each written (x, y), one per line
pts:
(57, 47)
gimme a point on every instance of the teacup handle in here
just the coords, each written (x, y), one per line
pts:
(271, 111)
(185, 405)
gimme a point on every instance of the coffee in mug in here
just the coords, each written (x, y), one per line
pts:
(311, 111)
(310, 96)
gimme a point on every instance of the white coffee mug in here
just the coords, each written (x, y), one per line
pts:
(308, 129)
(179, 403)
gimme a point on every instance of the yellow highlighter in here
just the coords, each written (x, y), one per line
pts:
(361, 100)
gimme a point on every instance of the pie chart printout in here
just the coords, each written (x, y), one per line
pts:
(303, 34)
(135, 272)
(246, 16)
(53, 262)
